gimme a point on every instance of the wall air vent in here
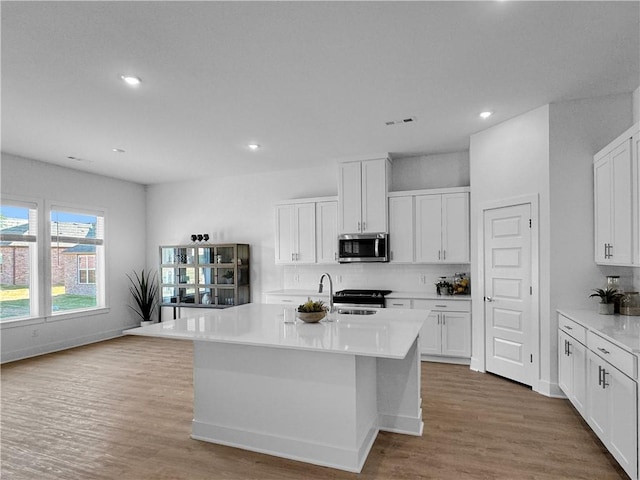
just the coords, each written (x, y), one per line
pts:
(399, 122)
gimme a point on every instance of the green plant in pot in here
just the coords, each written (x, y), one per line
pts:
(144, 289)
(608, 296)
(228, 275)
(311, 311)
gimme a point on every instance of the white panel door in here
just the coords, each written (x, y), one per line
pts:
(623, 419)
(305, 233)
(602, 208)
(621, 204)
(430, 335)
(507, 266)
(401, 229)
(455, 228)
(428, 245)
(349, 197)
(456, 334)
(597, 404)
(565, 371)
(578, 354)
(284, 234)
(374, 196)
(327, 232)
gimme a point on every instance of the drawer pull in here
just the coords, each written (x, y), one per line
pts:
(287, 301)
(568, 327)
(605, 351)
(441, 306)
(398, 304)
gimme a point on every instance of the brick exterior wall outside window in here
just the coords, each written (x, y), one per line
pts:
(15, 266)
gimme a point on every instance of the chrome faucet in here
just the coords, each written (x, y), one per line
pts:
(330, 290)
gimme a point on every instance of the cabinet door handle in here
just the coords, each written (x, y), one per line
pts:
(600, 375)
(604, 378)
(358, 226)
(444, 254)
(603, 350)
(568, 348)
(439, 253)
(364, 226)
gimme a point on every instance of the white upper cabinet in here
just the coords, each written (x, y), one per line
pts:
(442, 228)
(295, 233)
(327, 232)
(362, 195)
(306, 231)
(616, 205)
(401, 229)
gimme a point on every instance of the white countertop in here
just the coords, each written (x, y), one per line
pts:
(623, 330)
(389, 333)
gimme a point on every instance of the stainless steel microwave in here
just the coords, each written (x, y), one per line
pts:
(365, 247)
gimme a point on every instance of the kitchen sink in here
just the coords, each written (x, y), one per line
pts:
(355, 311)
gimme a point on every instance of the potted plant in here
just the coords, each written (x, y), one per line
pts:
(312, 312)
(144, 290)
(608, 296)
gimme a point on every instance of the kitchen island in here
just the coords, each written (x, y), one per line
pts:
(318, 393)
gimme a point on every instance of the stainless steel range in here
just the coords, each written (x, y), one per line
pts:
(360, 298)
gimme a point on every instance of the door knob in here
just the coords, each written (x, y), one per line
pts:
(488, 299)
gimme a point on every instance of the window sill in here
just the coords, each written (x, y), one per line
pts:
(53, 318)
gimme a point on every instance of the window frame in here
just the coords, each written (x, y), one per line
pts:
(40, 290)
(36, 268)
(101, 296)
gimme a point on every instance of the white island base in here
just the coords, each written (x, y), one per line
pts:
(319, 393)
(317, 407)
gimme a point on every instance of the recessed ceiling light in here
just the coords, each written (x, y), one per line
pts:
(486, 114)
(130, 80)
(117, 150)
(253, 146)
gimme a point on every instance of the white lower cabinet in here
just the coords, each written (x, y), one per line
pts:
(572, 367)
(612, 411)
(447, 330)
(600, 380)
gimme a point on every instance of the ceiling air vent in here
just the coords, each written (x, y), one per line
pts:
(399, 122)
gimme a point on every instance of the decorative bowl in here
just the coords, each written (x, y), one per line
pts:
(311, 317)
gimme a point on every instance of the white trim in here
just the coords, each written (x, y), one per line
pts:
(479, 363)
(430, 191)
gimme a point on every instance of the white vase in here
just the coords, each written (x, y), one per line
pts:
(606, 308)
(144, 323)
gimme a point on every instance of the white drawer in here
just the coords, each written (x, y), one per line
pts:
(398, 303)
(573, 329)
(624, 361)
(286, 300)
(443, 305)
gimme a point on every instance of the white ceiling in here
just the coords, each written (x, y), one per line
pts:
(308, 81)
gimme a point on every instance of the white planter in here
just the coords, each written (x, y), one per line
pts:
(145, 323)
(606, 308)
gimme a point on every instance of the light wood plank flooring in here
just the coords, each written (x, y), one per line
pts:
(122, 409)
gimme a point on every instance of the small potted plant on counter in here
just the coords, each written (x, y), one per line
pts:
(144, 290)
(312, 312)
(608, 296)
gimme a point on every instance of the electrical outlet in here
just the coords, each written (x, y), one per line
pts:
(339, 278)
(34, 332)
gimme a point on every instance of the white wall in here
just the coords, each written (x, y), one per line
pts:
(636, 105)
(507, 161)
(549, 153)
(430, 171)
(125, 242)
(235, 210)
(241, 209)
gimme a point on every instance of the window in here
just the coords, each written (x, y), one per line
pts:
(77, 260)
(86, 269)
(18, 260)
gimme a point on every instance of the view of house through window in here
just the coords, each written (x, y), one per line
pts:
(18, 261)
(77, 261)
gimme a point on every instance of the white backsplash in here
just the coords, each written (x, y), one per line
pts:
(387, 276)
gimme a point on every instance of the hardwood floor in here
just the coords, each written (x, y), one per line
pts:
(122, 409)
